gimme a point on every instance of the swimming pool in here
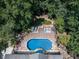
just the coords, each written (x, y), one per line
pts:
(34, 44)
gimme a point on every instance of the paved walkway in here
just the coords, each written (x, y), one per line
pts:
(46, 18)
(64, 52)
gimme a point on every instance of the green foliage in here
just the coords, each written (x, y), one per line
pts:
(71, 24)
(64, 39)
(73, 45)
(3, 44)
(60, 24)
(41, 21)
(72, 29)
(15, 17)
(69, 11)
(47, 22)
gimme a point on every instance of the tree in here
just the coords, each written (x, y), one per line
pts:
(71, 23)
(15, 17)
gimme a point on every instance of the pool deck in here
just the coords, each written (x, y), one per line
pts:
(39, 34)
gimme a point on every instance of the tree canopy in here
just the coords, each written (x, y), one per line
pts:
(15, 17)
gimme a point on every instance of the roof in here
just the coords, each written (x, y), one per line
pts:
(32, 56)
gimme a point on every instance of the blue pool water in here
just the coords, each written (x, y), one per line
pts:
(33, 44)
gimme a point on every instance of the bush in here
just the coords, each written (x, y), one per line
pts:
(59, 23)
(47, 22)
(64, 39)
